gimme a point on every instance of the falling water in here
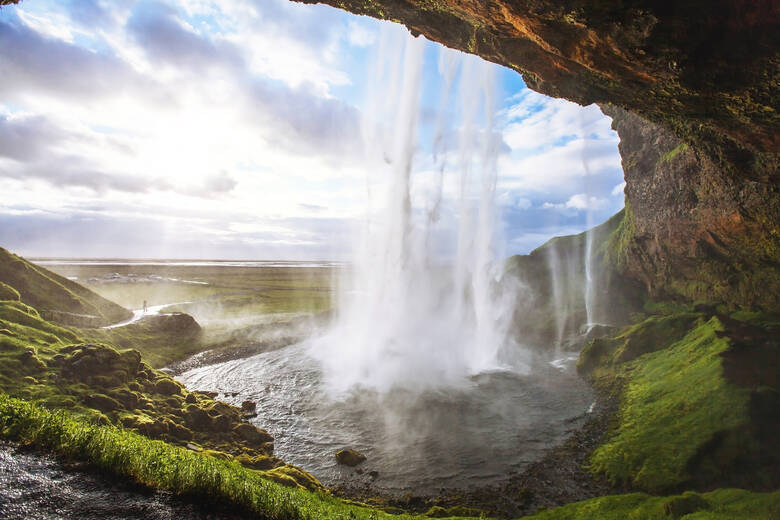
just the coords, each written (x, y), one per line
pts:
(408, 319)
(588, 259)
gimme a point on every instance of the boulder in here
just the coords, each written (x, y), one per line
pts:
(252, 435)
(166, 386)
(349, 457)
(197, 418)
(102, 402)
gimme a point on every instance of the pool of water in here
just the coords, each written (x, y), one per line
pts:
(477, 434)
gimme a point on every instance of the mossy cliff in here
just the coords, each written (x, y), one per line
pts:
(693, 89)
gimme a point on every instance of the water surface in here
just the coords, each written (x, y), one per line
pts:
(494, 425)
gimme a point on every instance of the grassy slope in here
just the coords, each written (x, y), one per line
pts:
(675, 402)
(46, 290)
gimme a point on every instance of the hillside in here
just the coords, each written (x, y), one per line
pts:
(56, 297)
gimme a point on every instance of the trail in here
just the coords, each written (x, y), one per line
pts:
(139, 314)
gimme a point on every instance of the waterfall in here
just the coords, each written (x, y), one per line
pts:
(407, 319)
(589, 295)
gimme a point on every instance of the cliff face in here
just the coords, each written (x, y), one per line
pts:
(691, 230)
(693, 88)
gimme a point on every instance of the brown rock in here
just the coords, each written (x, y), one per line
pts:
(349, 457)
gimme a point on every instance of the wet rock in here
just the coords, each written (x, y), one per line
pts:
(249, 407)
(349, 457)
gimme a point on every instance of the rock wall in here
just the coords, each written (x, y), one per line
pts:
(692, 231)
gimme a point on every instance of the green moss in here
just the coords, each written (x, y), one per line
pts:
(649, 335)
(670, 155)
(722, 504)
(617, 245)
(676, 401)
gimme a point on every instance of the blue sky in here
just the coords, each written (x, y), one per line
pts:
(232, 129)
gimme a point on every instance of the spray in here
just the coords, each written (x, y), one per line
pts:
(408, 321)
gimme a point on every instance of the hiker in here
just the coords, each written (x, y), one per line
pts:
(144, 306)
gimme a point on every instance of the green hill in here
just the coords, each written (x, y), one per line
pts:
(56, 297)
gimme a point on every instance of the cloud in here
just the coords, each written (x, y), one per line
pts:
(359, 36)
(537, 121)
(618, 190)
(560, 168)
(579, 202)
(32, 63)
(165, 37)
(26, 138)
(88, 13)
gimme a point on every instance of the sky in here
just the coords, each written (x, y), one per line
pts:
(235, 130)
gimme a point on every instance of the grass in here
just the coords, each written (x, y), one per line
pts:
(675, 402)
(722, 504)
(46, 290)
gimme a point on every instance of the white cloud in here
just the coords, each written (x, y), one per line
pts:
(579, 202)
(618, 190)
(359, 36)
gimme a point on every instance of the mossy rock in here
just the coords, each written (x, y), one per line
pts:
(252, 436)
(259, 462)
(128, 399)
(350, 457)
(294, 477)
(197, 417)
(167, 386)
(686, 504)
(102, 402)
